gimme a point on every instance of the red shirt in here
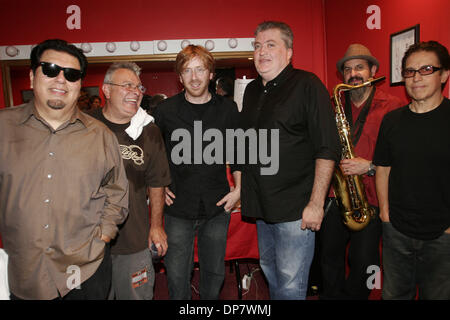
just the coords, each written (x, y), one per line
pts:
(382, 103)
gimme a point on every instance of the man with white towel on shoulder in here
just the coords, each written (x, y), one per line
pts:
(147, 169)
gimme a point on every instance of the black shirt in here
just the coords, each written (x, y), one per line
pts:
(298, 105)
(197, 186)
(146, 165)
(417, 148)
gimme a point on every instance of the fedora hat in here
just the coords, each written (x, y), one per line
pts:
(357, 51)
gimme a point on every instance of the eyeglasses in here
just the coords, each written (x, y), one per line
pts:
(52, 70)
(423, 71)
(357, 68)
(129, 86)
(199, 70)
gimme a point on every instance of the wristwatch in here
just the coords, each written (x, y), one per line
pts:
(372, 170)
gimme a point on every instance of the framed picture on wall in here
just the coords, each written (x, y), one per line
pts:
(400, 42)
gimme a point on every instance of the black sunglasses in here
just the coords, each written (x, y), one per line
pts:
(52, 70)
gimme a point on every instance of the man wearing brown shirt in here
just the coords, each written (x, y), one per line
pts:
(63, 187)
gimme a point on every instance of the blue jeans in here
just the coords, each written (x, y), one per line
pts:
(179, 260)
(286, 252)
(410, 263)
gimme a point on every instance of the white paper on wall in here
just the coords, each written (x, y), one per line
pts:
(4, 287)
(239, 88)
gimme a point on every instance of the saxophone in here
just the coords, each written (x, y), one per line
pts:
(349, 190)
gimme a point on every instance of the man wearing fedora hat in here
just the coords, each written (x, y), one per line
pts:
(364, 109)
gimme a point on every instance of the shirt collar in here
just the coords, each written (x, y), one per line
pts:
(279, 79)
(78, 115)
(212, 100)
(30, 110)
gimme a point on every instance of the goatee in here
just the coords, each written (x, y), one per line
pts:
(56, 104)
(358, 94)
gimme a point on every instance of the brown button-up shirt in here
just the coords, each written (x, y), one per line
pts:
(60, 190)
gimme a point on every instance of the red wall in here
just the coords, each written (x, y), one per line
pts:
(346, 24)
(323, 29)
(113, 20)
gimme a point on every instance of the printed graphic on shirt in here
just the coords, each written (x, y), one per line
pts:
(132, 152)
(139, 278)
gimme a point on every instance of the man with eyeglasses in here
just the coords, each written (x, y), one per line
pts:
(199, 199)
(147, 169)
(63, 186)
(364, 109)
(412, 156)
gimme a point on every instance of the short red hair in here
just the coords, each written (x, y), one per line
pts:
(190, 52)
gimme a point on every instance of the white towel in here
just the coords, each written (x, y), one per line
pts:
(138, 122)
(4, 286)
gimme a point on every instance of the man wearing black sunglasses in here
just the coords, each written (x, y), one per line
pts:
(413, 155)
(63, 185)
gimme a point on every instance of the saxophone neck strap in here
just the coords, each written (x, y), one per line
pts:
(358, 125)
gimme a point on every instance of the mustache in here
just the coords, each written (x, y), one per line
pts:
(355, 78)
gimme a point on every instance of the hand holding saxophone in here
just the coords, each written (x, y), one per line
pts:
(354, 166)
(347, 183)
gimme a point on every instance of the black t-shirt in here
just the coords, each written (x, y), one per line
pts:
(417, 148)
(146, 165)
(198, 110)
(197, 184)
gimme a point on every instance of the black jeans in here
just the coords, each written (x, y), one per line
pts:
(363, 251)
(96, 287)
(179, 260)
(411, 264)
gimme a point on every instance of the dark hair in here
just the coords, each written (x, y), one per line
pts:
(145, 102)
(92, 98)
(286, 31)
(227, 85)
(149, 103)
(57, 45)
(190, 52)
(429, 46)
